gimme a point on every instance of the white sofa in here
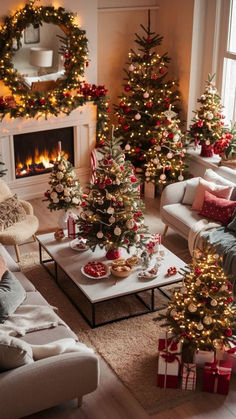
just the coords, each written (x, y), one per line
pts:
(49, 381)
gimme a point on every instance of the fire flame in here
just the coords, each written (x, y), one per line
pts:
(41, 161)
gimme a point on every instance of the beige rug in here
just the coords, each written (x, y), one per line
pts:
(128, 346)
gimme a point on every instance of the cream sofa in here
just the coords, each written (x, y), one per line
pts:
(49, 381)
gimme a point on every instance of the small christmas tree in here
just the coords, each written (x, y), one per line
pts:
(166, 159)
(65, 190)
(112, 215)
(147, 94)
(201, 312)
(208, 126)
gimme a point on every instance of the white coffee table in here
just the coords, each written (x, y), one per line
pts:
(100, 290)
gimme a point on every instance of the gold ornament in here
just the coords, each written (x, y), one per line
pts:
(207, 320)
(192, 308)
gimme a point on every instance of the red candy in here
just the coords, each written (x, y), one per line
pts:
(171, 271)
(95, 269)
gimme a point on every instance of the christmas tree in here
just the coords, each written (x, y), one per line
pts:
(112, 214)
(64, 192)
(208, 125)
(166, 159)
(146, 95)
(201, 313)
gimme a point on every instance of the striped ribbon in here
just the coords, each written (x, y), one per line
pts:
(93, 164)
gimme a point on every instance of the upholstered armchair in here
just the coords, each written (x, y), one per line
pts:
(22, 230)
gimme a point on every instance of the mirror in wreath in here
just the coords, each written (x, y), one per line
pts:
(43, 55)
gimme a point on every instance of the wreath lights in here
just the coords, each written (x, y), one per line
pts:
(25, 103)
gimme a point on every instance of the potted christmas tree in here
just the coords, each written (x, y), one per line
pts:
(208, 125)
(147, 94)
(112, 212)
(65, 192)
(201, 313)
(228, 153)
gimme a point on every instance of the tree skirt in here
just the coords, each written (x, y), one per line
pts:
(128, 346)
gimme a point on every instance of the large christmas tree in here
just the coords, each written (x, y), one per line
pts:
(166, 161)
(208, 126)
(65, 191)
(147, 94)
(201, 312)
(112, 214)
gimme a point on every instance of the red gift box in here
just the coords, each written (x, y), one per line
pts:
(168, 370)
(167, 342)
(71, 226)
(216, 377)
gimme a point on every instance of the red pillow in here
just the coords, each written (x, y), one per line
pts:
(218, 209)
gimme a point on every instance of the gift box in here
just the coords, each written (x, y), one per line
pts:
(230, 356)
(216, 377)
(71, 226)
(201, 357)
(167, 342)
(168, 369)
(188, 381)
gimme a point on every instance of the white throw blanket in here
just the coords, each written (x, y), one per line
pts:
(59, 347)
(196, 232)
(29, 318)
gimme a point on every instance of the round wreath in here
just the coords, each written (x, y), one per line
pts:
(25, 102)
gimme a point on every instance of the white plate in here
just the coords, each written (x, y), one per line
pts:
(74, 243)
(96, 277)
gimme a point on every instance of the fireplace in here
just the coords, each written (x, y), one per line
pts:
(35, 152)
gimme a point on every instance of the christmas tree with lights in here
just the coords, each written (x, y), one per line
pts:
(65, 191)
(166, 161)
(208, 125)
(146, 95)
(201, 313)
(112, 212)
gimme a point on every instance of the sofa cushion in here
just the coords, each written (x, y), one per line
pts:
(180, 216)
(3, 266)
(11, 264)
(12, 294)
(41, 337)
(218, 209)
(232, 225)
(11, 211)
(217, 190)
(190, 191)
(14, 352)
(26, 284)
(35, 298)
(214, 177)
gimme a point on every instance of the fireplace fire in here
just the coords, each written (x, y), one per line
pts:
(35, 153)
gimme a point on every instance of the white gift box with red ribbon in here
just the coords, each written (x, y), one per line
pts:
(201, 357)
(72, 226)
(188, 377)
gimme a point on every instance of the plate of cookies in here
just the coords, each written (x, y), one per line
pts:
(122, 267)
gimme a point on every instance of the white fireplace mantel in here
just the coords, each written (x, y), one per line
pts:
(83, 120)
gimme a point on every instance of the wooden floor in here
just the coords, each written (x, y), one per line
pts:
(112, 400)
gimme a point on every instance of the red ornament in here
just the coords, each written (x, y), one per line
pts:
(161, 71)
(127, 109)
(141, 158)
(149, 105)
(108, 181)
(47, 194)
(67, 55)
(87, 63)
(126, 240)
(122, 104)
(135, 227)
(200, 124)
(133, 179)
(158, 123)
(42, 101)
(155, 76)
(127, 88)
(229, 286)
(101, 186)
(228, 332)
(126, 127)
(106, 162)
(122, 168)
(170, 135)
(198, 271)
(83, 204)
(214, 288)
(153, 140)
(137, 150)
(109, 235)
(149, 39)
(120, 120)
(230, 300)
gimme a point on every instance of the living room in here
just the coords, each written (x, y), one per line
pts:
(97, 255)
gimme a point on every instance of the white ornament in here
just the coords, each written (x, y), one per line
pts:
(55, 200)
(60, 175)
(117, 231)
(147, 174)
(67, 199)
(108, 195)
(130, 224)
(112, 220)
(67, 192)
(100, 235)
(75, 200)
(216, 256)
(169, 155)
(207, 320)
(207, 142)
(61, 166)
(214, 303)
(110, 210)
(53, 195)
(127, 147)
(170, 114)
(118, 181)
(203, 97)
(192, 308)
(223, 288)
(137, 116)
(131, 67)
(158, 148)
(148, 179)
(163, 176)
(210, 115)
(180, 178)
(176, 138)
(59, 188)
(200, 326)
(146, 95)
(155, 161)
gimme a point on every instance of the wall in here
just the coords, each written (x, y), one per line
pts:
(116, 32)
(87, 15)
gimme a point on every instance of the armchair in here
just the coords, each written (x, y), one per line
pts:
(21, 231)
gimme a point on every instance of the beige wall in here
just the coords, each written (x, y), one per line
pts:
(173, 20)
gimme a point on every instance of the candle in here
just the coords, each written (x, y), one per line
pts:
(59, 146)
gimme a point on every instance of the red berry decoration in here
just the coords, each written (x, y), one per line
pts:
(198, 271)
(171, 271)
(153, 140)
(149, 105)
(228, 332)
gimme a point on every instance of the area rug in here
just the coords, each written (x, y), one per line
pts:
(128, 346)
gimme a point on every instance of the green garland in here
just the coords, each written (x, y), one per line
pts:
(28, 103)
